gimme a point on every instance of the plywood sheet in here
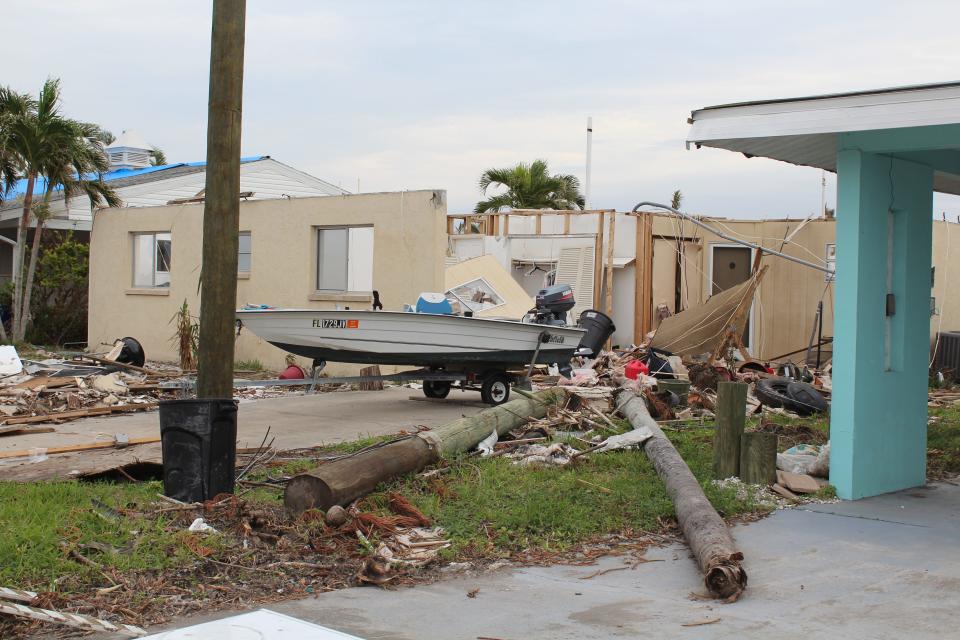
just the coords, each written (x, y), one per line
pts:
(516, 301)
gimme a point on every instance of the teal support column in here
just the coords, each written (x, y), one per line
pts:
(878, 421)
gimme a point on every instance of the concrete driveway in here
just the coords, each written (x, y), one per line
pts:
(884, 567)
(295, 421)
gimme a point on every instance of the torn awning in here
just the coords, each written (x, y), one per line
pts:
(702, 329)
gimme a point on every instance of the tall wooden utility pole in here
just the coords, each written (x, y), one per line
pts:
(221, 211)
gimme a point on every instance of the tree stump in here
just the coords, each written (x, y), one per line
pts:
(758, 458)
(731, 415)
(371, 385)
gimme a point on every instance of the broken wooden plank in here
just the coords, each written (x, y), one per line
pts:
(80, 413)
(17, 430)
(122, 365)
(796, 482)
(49, 382)
(782, 491)
(106, 444)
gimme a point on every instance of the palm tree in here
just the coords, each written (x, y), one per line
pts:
(676, 199)
(65, 155)
(157, 156)
(11, 103)
(529, 186)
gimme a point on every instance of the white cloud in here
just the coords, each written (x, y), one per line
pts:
(426, 94)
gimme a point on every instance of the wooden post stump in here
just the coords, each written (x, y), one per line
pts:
(758, 458)
(371, 385)
(731, 415)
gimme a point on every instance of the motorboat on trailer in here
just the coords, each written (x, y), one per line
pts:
(483, 349)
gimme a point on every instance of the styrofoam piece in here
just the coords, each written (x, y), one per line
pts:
(10, 364)
(262, 624)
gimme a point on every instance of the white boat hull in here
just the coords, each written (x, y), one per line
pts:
(413, 339)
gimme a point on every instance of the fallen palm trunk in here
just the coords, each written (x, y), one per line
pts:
(342, 481)
(76, 620)
(704, 530)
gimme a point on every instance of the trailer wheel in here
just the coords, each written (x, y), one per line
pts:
(495, 389)
(436, 388)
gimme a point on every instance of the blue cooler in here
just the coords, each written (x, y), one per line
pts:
(435, 303)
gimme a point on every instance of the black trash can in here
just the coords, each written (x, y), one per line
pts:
(199, 441)
(599, 327)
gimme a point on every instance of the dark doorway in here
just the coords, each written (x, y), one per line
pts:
(731, 266)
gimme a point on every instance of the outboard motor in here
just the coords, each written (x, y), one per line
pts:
(553, 303)
(599, 328)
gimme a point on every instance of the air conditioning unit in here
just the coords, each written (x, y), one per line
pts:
(947, 356)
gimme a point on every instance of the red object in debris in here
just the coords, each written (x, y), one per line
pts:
(769, 370)
(635, 367)
(293, 372)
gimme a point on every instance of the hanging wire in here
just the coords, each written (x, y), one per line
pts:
(725, 236)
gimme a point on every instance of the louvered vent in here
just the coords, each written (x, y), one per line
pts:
(575, 268)
(947, 357)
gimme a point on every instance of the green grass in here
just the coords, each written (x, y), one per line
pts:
(35, 518)
(494, 507)
(489, 506)
(248, 365)
(943, 441)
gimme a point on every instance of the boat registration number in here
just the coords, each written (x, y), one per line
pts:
(336, 324)
(555, 339)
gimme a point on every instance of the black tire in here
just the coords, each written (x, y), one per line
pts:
(436, 388)
(807, 397)
(793, 396)
(495, 389)
(132, 352)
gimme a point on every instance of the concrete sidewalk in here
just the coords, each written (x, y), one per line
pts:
(295, 421)
(884, 567)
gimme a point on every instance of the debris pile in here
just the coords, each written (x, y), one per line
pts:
(58, 390)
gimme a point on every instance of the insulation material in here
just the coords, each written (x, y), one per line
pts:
(576, 268)
(702, 329)
(487, 288)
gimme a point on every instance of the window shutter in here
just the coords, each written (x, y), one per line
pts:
(360, 261)
(575, 268)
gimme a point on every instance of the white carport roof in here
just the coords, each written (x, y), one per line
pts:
(804, 131)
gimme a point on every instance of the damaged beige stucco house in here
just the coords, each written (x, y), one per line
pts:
(309, 253)
(660, 265)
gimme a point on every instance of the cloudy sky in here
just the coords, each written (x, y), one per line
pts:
(409, 95)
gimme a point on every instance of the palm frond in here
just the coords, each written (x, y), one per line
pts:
(157, 157)
(494, 204)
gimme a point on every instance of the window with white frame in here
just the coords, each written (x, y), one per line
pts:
(345, 259)
(244, 253)
(476, 295)
(151, 260)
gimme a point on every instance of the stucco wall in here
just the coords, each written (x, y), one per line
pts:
(409, 246)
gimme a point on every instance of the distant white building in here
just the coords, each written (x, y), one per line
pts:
(140, 184)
